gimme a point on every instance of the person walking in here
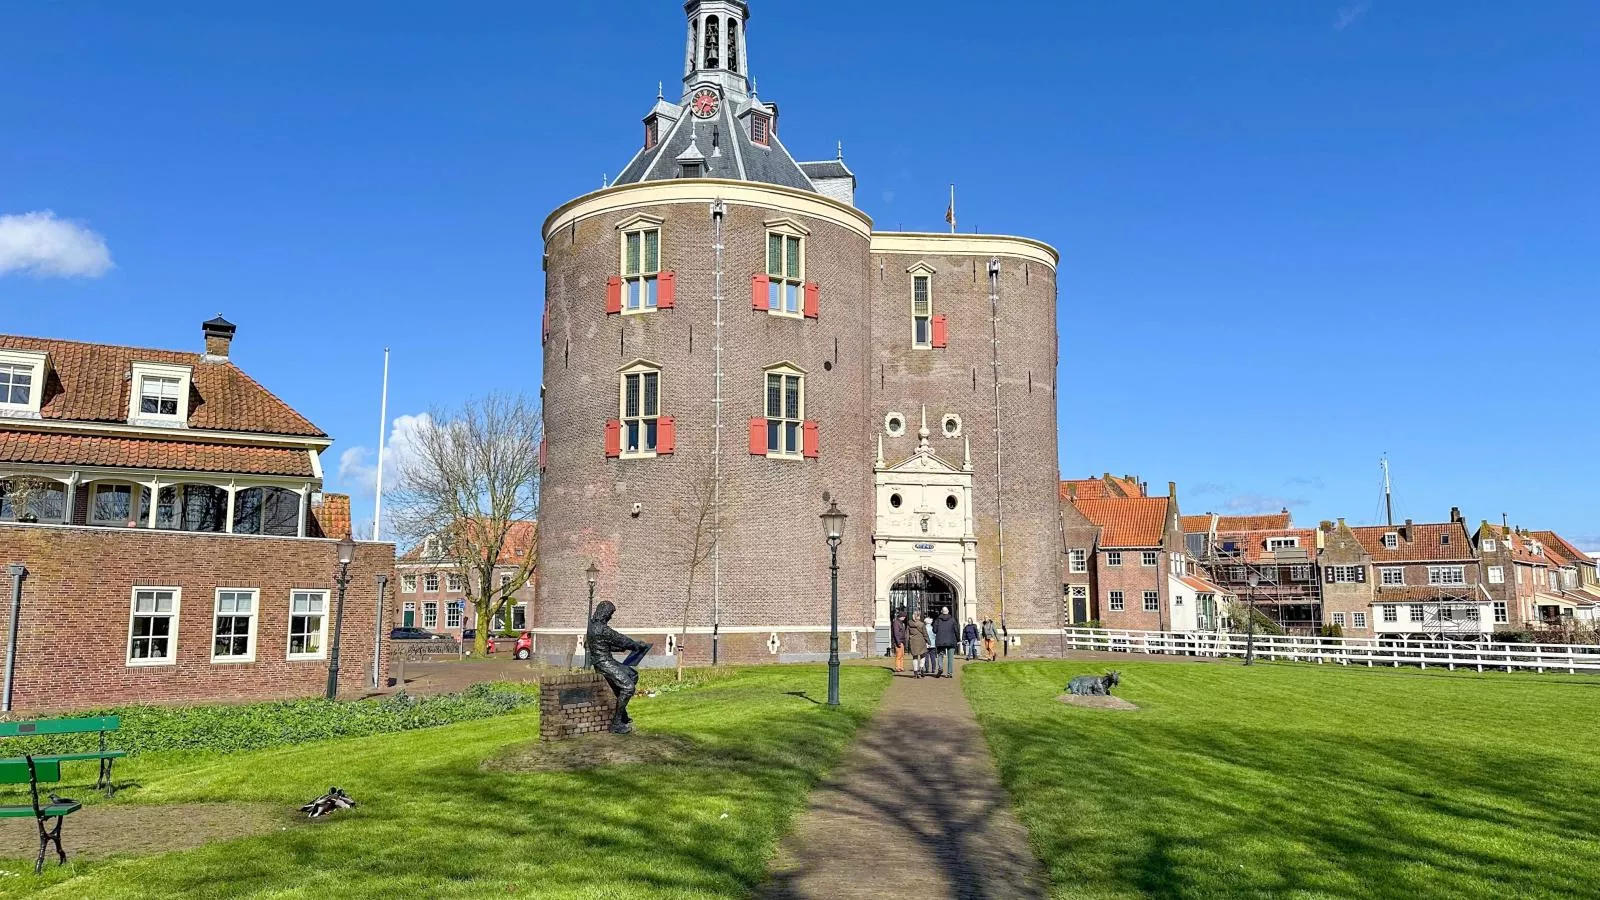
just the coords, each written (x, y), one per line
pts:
(989, 636)
(932, 666)
(946, 637)
(917, 644)
(969, 637)
(897, 638)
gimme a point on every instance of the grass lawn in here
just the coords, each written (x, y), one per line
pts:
(1302, 781)
(433, 823)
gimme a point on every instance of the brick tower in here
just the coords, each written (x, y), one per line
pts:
(727, 342)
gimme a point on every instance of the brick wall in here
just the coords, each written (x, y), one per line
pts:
(580, 703)
(74, 628)
(1341, 548)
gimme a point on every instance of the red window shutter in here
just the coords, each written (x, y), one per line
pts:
(543, 447)
(666, 436)
(613, 438)
(941, 333)
(758, 291)
(614, 294)
(758, 437)
(810, 439)
(546, 322)
(666, 290)
(811, 300)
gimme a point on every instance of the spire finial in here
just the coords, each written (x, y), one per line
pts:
(923, 433)
(841, 151)
(880, 449)
(605, 179)
(661, 88)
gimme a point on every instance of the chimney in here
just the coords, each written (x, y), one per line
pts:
(219, 335)
(1455, 514)
(1325, 525)
(1172, 490)
(1341, 521)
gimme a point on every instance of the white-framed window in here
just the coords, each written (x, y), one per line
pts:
(308, 624)
(430, 615)
(1489, 545)
(114, 504)
(46, 500)
(641, 268)
(1392, 575)
(785, 408)
(266, 510)
(158, 397)
(1338, 619)
(894, 424)
(454, 583)
(1077, 561)
(922, 312)
(1269, 574)
(233, 631)
(1419, 613)
(1447, 575)
(1391, 613)
(1391, 540)
(1300, 573)
(640, 405)
(1149, 558)
(786, 260)
(17, 387)
(153, 626)
(1283, 543)
(430, 582)
(951, 425)
(1471, 613)
(1344, 574)
(452, 614)
(408, 584)
(760, 129)
(1113, 557)
(1237, 573)
(1152, 601)
(1116, 601)
(1358, 620)
(1502, 614)
(1497, 574)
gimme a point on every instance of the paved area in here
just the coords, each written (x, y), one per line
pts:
(915, 809)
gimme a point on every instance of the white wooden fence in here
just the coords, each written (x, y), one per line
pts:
(1571, 658)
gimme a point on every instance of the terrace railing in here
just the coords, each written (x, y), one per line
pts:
(1384, 651)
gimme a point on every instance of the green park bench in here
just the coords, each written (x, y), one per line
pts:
(31, 771)
(102, 724)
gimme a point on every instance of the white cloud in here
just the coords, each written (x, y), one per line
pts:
(1349, 15)
(358, 466)
(1257, 504)
(38, 243)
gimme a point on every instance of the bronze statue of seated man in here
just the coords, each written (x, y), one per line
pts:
(602, 641)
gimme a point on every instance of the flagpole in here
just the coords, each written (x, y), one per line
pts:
(952, 209)
(383, 423)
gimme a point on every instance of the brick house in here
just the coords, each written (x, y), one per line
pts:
(168, 511)
(1578, 574)
(1282, 559)
(1425, 580)
(433, 592)
(1127, 555)
(1345, 569)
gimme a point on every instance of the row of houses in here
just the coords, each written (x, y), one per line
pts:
(1135, 561)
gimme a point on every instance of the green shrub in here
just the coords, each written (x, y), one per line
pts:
(1332, 630)
(256, 726)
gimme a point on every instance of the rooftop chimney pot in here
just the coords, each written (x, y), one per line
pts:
(219, 336)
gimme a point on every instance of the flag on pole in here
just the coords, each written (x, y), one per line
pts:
(950, 211)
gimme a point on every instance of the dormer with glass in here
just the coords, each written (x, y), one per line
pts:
(159, 394)
(22, 381)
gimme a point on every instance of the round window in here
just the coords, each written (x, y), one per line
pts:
(951, 502)
(894, 500)
(952, 425)
(895, 424)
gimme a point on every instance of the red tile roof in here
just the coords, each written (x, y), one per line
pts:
(1268, 522)
(1105, 486)
(1521, 547)
(1203, 585)
(1127, 521)
(1253, 544)
(330, 516)
(1563, 547)
(1429, 593)
(54, 449)
(1417, 543)
(88, 383)
(1196, 524)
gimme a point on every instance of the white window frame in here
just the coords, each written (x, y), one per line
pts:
(1391, 540)
(253, 618)
(1338, 619)
(922, 310)
(1149, 558)
(641, 288)
(1447, 575)
(1283, 543)
(430, 611)
(785, 288)
(1502, 612)
(454, 613)
(1417, 613)
(1117, 601)
(180, 375)
(454, 583)
(408, 583)
(36, 362)
(1489, 545)
(171, 657)
(1390, 612)
(646, 424)
(1114, 558)
(1392, 575)
(784, 422)
(134, 491)
(1077, 561)
(1300, 573)
(1358, 620)
(430, 583)
(54, 484)
(1497, 574)
(322, 633)
(1151, 601)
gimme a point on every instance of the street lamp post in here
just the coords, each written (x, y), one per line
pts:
(377, 633)
(593, 574)
(833, 525)
(347, 553)
(1251, 579)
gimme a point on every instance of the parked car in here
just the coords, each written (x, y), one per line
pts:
(524, 649)
(412, 633)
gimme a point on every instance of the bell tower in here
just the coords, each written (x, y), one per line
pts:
(716, 51)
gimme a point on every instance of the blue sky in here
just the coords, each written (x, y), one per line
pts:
(1295, 235)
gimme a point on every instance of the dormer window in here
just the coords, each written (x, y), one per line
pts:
(760, 129)
(1391, 540)
(691, 170)
(16, 385)
(160, 394)
(22, 375)
(1444, 539)
(652, 132)
(1283, 543)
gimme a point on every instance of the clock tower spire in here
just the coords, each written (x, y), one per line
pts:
(716, 52)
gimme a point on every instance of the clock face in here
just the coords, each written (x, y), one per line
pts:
(705, 103)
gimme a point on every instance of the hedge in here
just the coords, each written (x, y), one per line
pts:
(258, 726)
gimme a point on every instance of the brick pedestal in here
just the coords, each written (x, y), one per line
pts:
(574, 704)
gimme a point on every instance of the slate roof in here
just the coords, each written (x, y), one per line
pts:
(89, 383)
(57, 449)
(830, 168)
(724, 139)
(1127, 521)
(1417, 543)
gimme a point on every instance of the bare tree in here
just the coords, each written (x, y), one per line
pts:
(469, 476)
(697, 518)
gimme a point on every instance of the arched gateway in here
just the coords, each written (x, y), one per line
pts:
(923, 592)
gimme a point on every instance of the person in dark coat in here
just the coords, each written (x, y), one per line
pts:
(897, 639)
(969, 636)
(946, 637)
(917, 644)
(602, 641)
